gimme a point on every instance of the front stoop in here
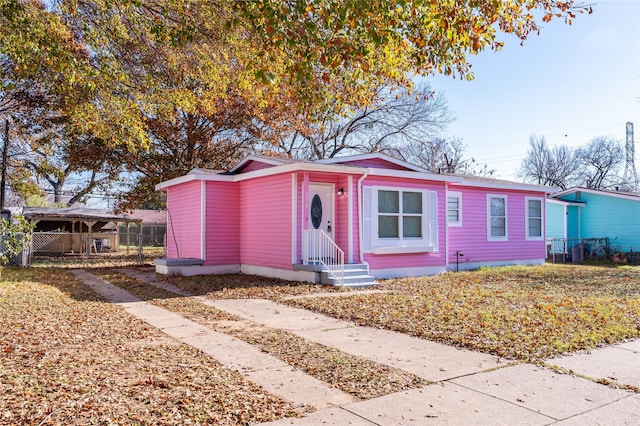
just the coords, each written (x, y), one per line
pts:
(356, 275)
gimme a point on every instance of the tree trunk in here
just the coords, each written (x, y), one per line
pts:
(5, 155)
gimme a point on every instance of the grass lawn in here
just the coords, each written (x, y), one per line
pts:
(67, 357)
(523, 313)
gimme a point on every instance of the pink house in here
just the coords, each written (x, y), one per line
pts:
(347, 220)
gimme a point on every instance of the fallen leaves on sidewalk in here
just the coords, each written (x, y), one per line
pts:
(67, 357)
(525, 313)
(355, 375)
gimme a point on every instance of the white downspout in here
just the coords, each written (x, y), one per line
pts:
(360, 225)
(350, 218)
(203, 220)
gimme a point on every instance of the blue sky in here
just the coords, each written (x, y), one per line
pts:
(568, 84)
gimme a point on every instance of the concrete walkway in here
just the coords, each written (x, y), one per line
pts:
(472, 388)
(274, 375)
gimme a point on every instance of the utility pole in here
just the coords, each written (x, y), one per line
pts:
(630, 178)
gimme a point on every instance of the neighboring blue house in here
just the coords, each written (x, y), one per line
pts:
(578, 214)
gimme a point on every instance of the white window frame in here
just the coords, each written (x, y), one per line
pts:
(527, 219)
(425, 244)
(458, 196)
(504, 237)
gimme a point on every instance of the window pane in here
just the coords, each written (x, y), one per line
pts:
(497, 207)
(535, 208)
(412, 227)
(453, 203)
(388, 227)
(453, 209)
(497, 227)
(535, 227)
(412, 202)
(388, 202)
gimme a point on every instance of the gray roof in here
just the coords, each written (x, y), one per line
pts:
(74, 213)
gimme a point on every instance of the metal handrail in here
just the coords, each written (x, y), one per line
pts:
(320, 248)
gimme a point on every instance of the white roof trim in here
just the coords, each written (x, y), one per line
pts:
(505, 185)
(596, 192)
(273, 161)
(193, 175)
(374, 155)
(414, 175)
(565, 202)
(199, 174)
(324, 166)
(294, 167)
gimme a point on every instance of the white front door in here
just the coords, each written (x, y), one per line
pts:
(320, 215)
(321, 207)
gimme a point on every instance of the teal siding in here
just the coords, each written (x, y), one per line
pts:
(555, 220)
(605, 216)
(573, 222)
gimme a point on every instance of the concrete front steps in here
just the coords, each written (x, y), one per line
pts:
(356, 275)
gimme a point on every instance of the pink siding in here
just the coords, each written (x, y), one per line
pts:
(412, 260)
(253, 166)
(223, 223)
(376, 163)
(184, 220)
(265, 217)
(471, 237)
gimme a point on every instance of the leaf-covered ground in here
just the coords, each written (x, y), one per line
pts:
(241, 286)
(524, 313)
(67, 357)
(119, 259)
(355, 375)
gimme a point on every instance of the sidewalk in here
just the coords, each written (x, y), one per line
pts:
(269, 372)
(474, 388)
(471, 388)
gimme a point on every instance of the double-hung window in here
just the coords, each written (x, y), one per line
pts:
(454, 208)
(533, 221)
(497, 224)
(400, 214)
(399, 220)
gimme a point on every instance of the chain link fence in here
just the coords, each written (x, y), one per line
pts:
(575, 250)
(151, 235)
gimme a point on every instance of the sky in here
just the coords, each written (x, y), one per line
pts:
(570, 84)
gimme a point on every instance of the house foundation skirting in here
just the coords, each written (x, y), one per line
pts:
(407, 272)
(284, 274)
(187, 268)
(311, 276)
(467, 266)
(191, 270)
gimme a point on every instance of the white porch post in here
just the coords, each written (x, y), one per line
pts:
(305, 216)
(294, 218)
